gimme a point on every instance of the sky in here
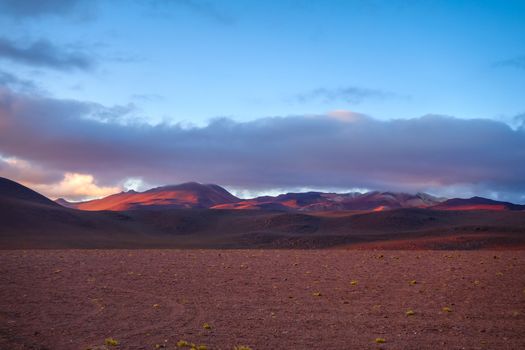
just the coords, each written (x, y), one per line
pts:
(264, 97)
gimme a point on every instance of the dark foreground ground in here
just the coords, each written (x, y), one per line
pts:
(264, 299)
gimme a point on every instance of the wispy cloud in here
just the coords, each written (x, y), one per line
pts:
(14, 82)
(349, 94)
(201, 8)
(43, 53)
(206, 8)
(515, 62)
(22, 9)
(147, 97)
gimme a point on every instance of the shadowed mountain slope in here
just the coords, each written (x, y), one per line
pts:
(319, 201)
(477, 203)
(11, 192)
(30, 220)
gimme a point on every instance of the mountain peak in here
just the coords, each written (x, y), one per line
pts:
(185, 195)
(185, 186)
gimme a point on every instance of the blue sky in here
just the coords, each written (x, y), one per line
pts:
(150, 69)
(195, 60)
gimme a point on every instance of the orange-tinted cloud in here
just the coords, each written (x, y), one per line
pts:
(75, 187)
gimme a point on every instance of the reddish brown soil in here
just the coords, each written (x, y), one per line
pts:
(265, 299)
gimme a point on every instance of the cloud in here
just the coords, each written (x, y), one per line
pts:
(26, 172)
(520, 121)
(147, 97)
(350, 94)
(20, 9)
(75, 187)
(515, 62)
(43, 53)
(206, 8)
(16, 83)
(202, 8)
(434, 153)
(88, 9)
(55, 184)
(345, 116)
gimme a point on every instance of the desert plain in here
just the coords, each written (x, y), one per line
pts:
(262, 299)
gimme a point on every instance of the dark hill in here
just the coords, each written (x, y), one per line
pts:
(13, 191)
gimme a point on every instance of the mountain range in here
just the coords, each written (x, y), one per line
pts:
(187, 216)
(200, 196)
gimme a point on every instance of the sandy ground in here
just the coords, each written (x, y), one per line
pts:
(264, 299)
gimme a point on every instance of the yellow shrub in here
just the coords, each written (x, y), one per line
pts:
(183, 344)
(111, 342)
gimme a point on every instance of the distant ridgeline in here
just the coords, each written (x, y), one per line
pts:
(195, 195)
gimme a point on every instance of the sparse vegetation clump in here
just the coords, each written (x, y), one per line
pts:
(206, 325)
(446, 309)
(191, 346)
(111, 342)
(410, 312)
(380, 340)
(183, 344)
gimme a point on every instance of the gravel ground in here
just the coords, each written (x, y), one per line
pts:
(263, 299)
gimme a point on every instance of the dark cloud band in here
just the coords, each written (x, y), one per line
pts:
(321, 151)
